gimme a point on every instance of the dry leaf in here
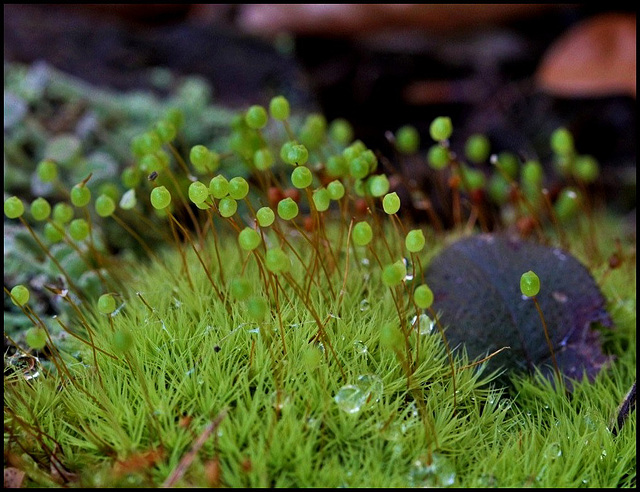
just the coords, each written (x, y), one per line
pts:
(595, 58)
(13, 478)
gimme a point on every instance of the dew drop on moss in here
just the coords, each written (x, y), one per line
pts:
(433, 471)
(350, 399)
(423, 324)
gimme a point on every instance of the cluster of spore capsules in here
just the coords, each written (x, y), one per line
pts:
(307, 193)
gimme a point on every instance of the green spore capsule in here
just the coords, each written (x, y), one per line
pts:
(238, 188)
(150, 163)
(354, 150)
(40, 209)
(586, 169)
(415, 241)
(47, 171)
(313, 131)
(131, 177)
(335, 189)
(301, 177)
(263, 159)
(105, 206)
(321, 199)
(279, 108)
(284, 151)
(371, 159)
(227, 207)
(508, 163)
(150, 142)
(249, 239)
(36, 338)
(166, 131)
(52, 233)
(19, 295)
(78, 229)
(336, 166)
(341, 131)
(265, 216)
(298, 154)
(391, 203)
(474, 178)
(122, 341)
(198, 192)
(532, 175)
(13, 207)
(378, 185)
(360, 188)
(287, 209)
(477, 148)
(423, 296)
(240, 288)
(203, 159)
(277, 261)
(256, 117)
(62, 213)
(160, 197)
(530, 284)
(441, 128)
(394, 273)
(106, 304)
(219, 187)
(362, 233)
(498, 189)
(562, 142)
(198, 156)
(567, 204)
(359, 168)
(111, 190)
(438, 157)
(80, 195)
(175, 116)
(407, 140)
(257, 308)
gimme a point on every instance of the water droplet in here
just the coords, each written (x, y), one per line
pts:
(505, 404)
(488, 481)
(371, 385)
(397, 449)
(603, 455)
(364, 305)
(560, 297)
(423, 324)
(280, 399)
(255, 329)
(553, 452)
(433, 471)
(360, 347)
(364, 262)
(350, 398)
(409, 267)
(561, 256)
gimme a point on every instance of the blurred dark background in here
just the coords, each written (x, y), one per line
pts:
(499, 69)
